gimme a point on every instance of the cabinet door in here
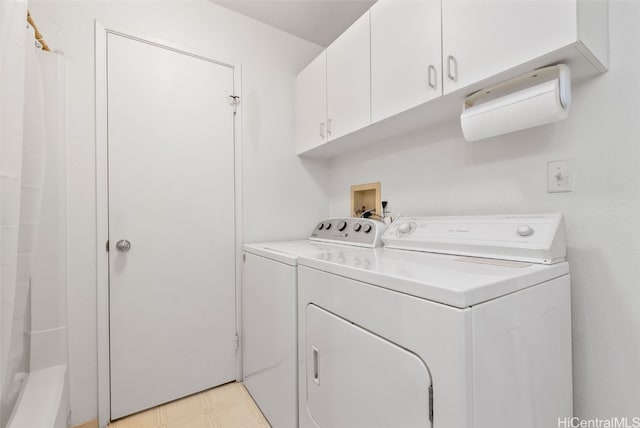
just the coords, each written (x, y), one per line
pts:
(311, 105)
(483, 38)
(349, 80)
(406, 55)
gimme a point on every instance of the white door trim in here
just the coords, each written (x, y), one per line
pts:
(102, 205)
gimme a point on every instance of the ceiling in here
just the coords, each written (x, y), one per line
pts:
(318, 21)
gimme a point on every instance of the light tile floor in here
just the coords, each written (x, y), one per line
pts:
(227, 406)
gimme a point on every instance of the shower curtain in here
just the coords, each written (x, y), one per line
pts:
(22, 155)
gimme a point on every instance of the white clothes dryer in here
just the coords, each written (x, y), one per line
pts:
(459, 322)
(269, 307)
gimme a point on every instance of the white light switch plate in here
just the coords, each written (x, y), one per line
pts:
(559, 177)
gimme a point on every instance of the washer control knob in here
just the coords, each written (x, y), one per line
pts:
(525, 230)
(342, 225)
(321, 226)
(357, 227)
(404, 228)
(327, 226)
(367, 228)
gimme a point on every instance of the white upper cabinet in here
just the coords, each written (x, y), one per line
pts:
(407, 64)
(311, 105)
(349, 80)
(406, 55)
(483, 38)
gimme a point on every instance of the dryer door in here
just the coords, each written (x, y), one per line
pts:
(356, 379)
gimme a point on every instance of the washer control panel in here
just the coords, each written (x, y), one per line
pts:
(361, 232)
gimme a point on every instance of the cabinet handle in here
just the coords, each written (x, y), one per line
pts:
(432, 77)
(316, 374)
(328, 126)
(322, 130)
(452, 72)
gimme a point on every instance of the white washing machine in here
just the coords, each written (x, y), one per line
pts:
(459, 322)
(269, 306)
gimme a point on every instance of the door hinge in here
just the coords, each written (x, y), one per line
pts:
(237, 341)
(244, 258)
(235, 100)
(107, 246)
(431, 403)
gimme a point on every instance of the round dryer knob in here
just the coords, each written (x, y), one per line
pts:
(342, 225)
(327, 226)
(367, 228)
(357, 227)
(525, 230)
(321, 226)
(404, 228)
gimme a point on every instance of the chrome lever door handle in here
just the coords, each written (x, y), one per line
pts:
(123, 245)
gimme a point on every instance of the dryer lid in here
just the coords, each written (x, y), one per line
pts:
(457, 281)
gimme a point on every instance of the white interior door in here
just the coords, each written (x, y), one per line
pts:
(171, 195)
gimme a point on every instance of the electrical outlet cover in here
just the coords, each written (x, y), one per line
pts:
(559, 176)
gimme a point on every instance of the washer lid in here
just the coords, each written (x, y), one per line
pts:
(448, 279)
(537, 238)
(289, 251)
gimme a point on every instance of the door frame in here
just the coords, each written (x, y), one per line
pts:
(102, 201)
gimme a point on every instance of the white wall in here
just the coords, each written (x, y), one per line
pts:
(436, 172)
(282, 196)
